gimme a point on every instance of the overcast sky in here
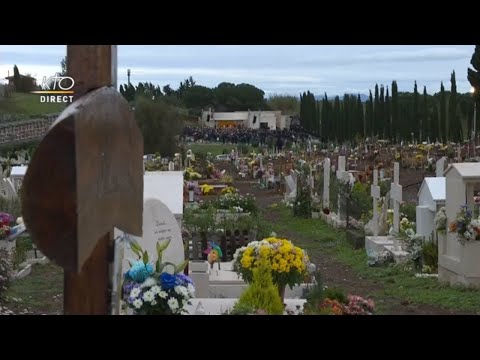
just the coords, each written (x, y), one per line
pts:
(281, 69)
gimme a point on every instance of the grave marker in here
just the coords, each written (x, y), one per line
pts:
(326, 183)
(375, 193)
(396, 195)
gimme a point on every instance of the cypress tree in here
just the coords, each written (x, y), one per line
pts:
(388, 118)
(443, 118)
(415, 109)
(425, 125)
(452, 123)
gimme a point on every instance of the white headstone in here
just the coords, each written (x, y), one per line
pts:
(9, 188)
(396, 194)
(326, 183)
(344, 177)
(440, 167)
(159, 224)
(291, 185)
(375, 193)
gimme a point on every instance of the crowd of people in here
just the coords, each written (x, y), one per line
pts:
(261, 137)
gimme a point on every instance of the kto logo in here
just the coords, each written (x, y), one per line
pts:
(50, 95)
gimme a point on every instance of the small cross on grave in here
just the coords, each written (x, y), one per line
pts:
(375, 193)
(326, 183)
(396, 195)
(344, 177)
(71, 214)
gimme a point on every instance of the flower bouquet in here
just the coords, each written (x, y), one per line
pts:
(150, 290)
(6, 223)
(288, 263)
(466, 226)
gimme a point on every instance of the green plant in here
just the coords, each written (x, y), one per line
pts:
(23, 245)
(409, 210)
(261, 294)
(6, 270)
(335, 294)
(199, 219)
(302, 206)
(11, 206)
(241, 309)
(430, 254)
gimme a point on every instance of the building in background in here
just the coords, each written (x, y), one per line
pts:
(245, 119)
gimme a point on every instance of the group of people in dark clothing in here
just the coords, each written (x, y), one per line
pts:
(259, 137)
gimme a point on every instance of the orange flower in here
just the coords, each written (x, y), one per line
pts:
(452, 227)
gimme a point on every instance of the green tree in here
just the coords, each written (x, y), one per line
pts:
(287, 104)
(452, 123)
(443, 115)
(198, 97)
(376, 109)
(160, 124)
(425, 129)
(168, 91)
(473, 75)
(388, 116)
(63, 65)
(415, 110)
(395, 112)
(17, 80)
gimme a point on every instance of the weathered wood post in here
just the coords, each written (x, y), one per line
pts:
(86, 178)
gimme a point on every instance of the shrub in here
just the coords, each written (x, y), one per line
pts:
(430, 254)
(11, 206)
(335, 294)
(409, 210)
(6, 270)
(261, 294)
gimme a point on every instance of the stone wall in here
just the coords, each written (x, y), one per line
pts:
(25, 130)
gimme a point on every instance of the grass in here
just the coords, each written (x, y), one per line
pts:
(215, 149)
(316, 236)
(39, 291)
(28, 105)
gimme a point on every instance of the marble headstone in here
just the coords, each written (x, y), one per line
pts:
(159, 224)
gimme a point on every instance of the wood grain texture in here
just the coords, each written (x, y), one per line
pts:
(88, 292)
(85, 178)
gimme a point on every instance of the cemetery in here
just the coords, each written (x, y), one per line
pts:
(315, 228)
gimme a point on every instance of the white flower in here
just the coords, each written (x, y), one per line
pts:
(153, 302)
(173, 304)
(163, 294)
(191, 290)
(135, 292)
(155, 289)
(148, 283)
(138, 303)
(467, 235)
(148, 296)
(181, 290)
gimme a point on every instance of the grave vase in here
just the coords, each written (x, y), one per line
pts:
(191, 195)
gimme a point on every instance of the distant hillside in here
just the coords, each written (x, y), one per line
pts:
(27, 106)
(363, 97)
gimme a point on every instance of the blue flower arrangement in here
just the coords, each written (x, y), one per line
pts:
(149, 290)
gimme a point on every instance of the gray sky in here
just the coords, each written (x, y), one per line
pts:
(281, 69)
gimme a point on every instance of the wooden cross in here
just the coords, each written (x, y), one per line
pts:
(86, 178)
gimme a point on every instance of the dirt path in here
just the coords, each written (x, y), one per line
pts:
(336, 274)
